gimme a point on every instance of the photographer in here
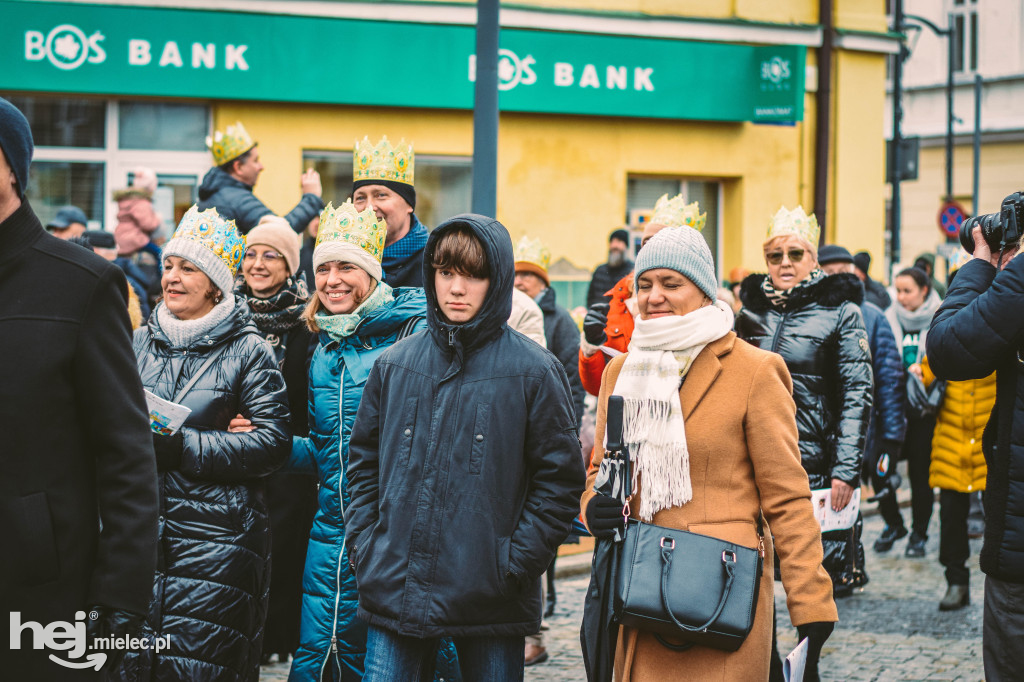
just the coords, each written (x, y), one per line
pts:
(978, 330)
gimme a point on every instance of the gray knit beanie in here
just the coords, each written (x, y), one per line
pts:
(684, 250)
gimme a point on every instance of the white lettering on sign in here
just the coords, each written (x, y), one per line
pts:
(616, 78)
(35, 46)
(171, 55)
(642, 79)
(66, 46)
(234, 57)
(139, 53)
(563, 74)
(204, 55)
(589, 78)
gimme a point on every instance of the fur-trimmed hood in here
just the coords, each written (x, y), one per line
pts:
(830, 292)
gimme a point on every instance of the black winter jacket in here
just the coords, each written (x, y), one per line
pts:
(210, 592)
(888, 416)
(464, 468)
(875, 293)
(821, 336)
(604, 279)
(980, 329)
(234, 200)
(563, 339)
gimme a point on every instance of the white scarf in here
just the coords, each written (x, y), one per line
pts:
(660, 354)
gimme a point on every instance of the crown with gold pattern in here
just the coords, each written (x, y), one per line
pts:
(796, 222)
(346, 224)
(532, 256)
(230, 144)
(210, 242)
(383, 161)
(675, 212)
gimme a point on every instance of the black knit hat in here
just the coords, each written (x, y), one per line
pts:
(621, 235)
(862, 261)
(407, 192)
(16, 142)
(833, 253)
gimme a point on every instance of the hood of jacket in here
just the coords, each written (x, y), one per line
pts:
(238, 320)
(217, 179)
(830, 292)
(546, 301)
(497, 307)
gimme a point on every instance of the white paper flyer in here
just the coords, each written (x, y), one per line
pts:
(834, 520)
(794, 665)
(165, 417)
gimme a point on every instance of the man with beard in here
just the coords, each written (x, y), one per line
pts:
(607, 274)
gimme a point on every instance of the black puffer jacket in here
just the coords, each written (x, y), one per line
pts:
(980, 329)
(464, 468)
(234, 200)
(210, 592)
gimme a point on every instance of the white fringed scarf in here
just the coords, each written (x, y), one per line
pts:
(660, 354)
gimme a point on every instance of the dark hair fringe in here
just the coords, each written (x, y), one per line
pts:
(460, 250)
(919, 276)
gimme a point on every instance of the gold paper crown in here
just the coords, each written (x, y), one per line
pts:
(383, 162)
(214, 232)
(794, 222)
(346, 224)
(230, 144)
(534, 252)
(675, 212)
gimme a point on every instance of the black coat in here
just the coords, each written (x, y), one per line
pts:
(464, 468)
(234, 200)
(563, 339)
(980, 329)
(210, 592)
(604, 279)
(875, 293)
(75, 441)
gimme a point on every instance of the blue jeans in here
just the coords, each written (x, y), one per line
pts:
(391, 657)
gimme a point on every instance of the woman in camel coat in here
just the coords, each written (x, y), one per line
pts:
(737, 432)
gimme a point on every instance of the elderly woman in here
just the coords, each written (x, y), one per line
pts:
(277, 297)
(711, 426)
(200, 350)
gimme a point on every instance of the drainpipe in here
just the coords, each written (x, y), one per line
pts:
(823, 118)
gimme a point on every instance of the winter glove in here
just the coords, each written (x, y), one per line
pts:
(887, 483)
(103, 621)
(604, 516)
(816, 634)
(168, 450)
(893, 449)
(595, 322)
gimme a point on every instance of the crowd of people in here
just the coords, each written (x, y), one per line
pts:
(379, 449)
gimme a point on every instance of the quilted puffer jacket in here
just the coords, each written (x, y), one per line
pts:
(212, 580)
(820, 334)
(234, 199)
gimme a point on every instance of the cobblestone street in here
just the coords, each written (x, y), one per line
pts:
(891, 630)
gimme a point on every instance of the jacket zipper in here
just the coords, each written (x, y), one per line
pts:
(341, 504)
(778, 332)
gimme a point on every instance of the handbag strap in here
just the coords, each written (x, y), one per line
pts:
(199, 372)
(730, 571)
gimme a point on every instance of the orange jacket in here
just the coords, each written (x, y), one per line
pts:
(619, 331)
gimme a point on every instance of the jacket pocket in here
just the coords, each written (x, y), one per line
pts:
(504, 549)
(480, 424)
(34, 560)
(408, 430)
(739, 532)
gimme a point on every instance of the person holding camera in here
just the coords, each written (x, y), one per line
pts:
(977, 330)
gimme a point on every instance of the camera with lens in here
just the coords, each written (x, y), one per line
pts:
(1000, 230)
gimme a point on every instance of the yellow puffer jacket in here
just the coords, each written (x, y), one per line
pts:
(957, 461)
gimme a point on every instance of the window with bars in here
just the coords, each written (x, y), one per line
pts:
(642, 193)
(965, 35)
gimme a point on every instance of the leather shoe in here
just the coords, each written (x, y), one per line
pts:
(889, 537)
(915, 545)
(957, 597)
(535, 654)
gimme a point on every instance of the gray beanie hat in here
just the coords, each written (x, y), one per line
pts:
(684, 250)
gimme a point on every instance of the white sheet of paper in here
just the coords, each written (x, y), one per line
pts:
(164, 416)
(821, 500)
(794, 665)
(610, 352)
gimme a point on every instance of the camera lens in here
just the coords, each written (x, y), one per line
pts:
(966, 238)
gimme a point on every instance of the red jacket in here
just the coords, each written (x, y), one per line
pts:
(619, 331)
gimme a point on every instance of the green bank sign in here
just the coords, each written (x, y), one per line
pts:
(142, 51)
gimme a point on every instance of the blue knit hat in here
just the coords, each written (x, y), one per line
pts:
(684, 250)
(16, 142)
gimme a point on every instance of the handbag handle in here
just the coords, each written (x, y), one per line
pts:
(730, 570)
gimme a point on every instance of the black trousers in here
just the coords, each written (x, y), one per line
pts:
(917, 449)
(954, 545)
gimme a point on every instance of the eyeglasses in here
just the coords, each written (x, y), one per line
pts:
(268, 256)
(775, 257)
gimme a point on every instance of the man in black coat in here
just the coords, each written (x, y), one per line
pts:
(78, 496)
(464, 472)
(607, 275)
(874, 292)
(228, 185)
(980, 329)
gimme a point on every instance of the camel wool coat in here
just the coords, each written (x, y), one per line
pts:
(741, 434)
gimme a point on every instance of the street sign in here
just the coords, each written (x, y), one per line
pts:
(951, 217)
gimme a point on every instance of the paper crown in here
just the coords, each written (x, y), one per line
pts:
(534, 252)
(230, 144)
(215, 233)
(383, 161)
(795, 222)
(346, 224)
(675, 212)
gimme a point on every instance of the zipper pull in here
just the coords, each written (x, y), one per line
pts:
(451, 337)
(334, 643)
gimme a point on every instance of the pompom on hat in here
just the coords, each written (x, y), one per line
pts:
(211, 243)
(684, 250)
(351, 236)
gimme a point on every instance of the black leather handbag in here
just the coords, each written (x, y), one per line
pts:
(687, 586)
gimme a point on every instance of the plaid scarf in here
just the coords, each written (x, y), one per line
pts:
(778, 298)
(279, 314)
